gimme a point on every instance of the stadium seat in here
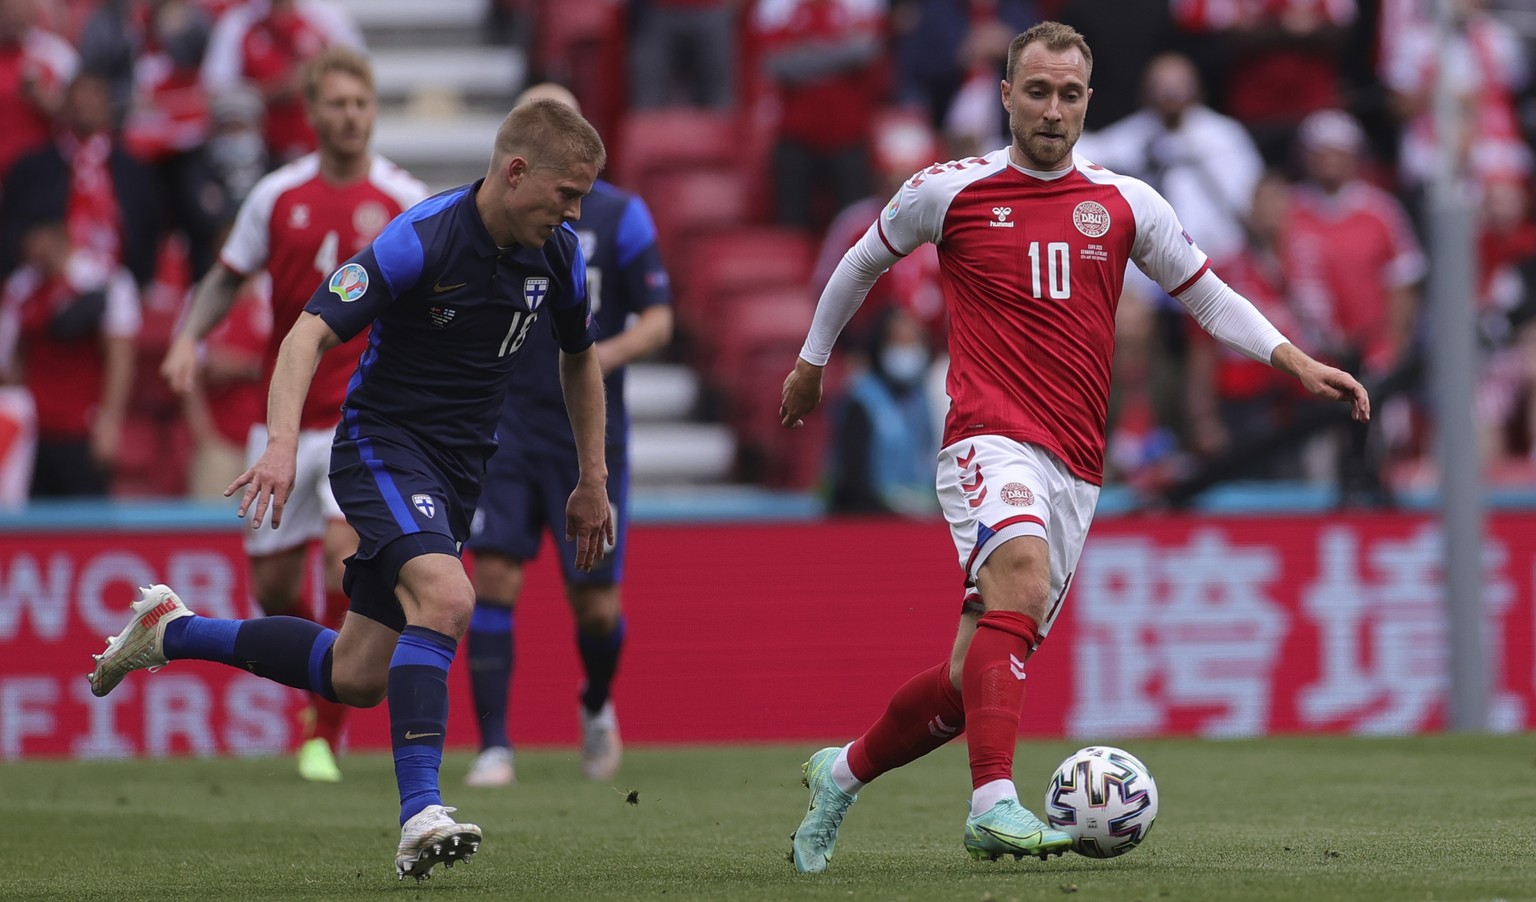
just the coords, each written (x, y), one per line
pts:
(654, 142)
(694, 202)
(724, 265)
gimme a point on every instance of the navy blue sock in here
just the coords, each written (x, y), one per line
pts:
(492, 652)
(290, 650)
(418, 715)
(600, 657)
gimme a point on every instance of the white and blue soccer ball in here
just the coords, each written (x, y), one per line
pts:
(1105, 798)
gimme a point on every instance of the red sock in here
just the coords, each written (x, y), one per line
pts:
(924, 714)
(329, 716)
(992, 684)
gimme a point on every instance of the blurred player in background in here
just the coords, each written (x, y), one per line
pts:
(1033, 245)
(451, 289)
(535, 470)
(297, 224)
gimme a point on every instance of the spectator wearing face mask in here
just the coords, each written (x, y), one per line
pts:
(883, 442)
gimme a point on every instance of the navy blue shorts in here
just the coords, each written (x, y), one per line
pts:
(402, 506)
(525, 495)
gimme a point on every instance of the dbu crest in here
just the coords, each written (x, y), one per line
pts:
(425, 504)
(535, 289)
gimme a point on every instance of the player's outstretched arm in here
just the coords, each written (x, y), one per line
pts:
(269, 482)
(211, 302)
(1324, 381)
(588, 515)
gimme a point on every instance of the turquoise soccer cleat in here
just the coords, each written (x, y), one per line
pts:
(816, 836)
(1009, 828)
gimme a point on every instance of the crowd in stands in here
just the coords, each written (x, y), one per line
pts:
(1295, 139)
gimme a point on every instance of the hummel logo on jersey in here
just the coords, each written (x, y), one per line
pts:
(1002, 214)
(410, 735)
(425, 504)
(534, 291)
(1017, 666)
(438, 287)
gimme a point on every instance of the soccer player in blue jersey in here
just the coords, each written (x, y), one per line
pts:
(451, 289)
(534, 469)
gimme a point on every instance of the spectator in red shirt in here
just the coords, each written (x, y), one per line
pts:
(267, 42)
(35, 65)
(150, 52)
(1355, 266)
(1284, 60)
(1506, 393)
(68, 320)
(1231, 397)
(85, 178)
(824, 58)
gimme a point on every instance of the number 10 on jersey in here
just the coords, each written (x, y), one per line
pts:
(1057, 266)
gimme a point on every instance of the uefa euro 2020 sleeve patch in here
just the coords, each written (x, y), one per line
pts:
(349, 283)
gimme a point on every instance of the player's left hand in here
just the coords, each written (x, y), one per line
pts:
(1333, 384)
(801, 393)
(589, 523)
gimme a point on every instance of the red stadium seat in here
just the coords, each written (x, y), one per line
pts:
(653, 142)
(690, 203)
(720, 266)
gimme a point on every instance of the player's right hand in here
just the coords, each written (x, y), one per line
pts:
(267, 484)
(801, 394)
(180, 365)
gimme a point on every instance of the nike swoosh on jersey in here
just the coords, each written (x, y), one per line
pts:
(439, 287)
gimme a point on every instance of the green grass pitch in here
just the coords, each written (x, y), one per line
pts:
(1442, 817)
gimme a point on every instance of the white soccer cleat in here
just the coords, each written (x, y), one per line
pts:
(431, 838)
(141, 644)
(493, 767)
(601, 748)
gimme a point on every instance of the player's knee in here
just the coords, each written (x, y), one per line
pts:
(448, 609)
(597, 621)
(359, 689)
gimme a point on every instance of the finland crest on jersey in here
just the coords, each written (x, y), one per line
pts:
(535, 289)
(425, 504)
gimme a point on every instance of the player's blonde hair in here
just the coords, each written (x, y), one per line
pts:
(549, 135)
(1055, 36)
(336, 59)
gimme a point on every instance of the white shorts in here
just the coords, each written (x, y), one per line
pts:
(993, 489)
(310, 505)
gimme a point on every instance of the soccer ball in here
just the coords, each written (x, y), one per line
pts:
(1105, 798)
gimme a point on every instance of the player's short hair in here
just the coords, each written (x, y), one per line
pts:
(548, 134)
(336, 58)
(1055, 36)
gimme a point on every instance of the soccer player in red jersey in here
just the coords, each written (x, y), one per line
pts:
(297, 225)
(1033, 244)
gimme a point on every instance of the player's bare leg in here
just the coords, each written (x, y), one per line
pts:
(600, 640)
(492, 650)
(324, 719)
(438, 601)
(1015, 591)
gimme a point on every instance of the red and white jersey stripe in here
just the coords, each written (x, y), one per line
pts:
(1032, 266)
(298, 227)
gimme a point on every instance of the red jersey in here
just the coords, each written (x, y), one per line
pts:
(829, 111)
(1031, 266)
(257, 44)
(299, 227)
(43, 58)
(64, 374)
(1345, 253)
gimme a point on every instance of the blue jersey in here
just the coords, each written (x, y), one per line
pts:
(450, 314)
(624, 276)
